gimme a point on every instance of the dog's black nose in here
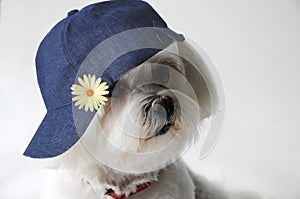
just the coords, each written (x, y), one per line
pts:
(163, 105)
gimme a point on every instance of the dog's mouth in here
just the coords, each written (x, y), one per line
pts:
(165, 128)
(161, 131)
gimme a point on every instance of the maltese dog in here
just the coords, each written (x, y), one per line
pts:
(121, 135)
(150, 125)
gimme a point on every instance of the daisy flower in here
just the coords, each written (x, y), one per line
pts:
(90, 93)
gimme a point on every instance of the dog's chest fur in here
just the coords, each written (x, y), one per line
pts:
(175, 182)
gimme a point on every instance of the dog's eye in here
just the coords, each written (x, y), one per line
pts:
(119, 89)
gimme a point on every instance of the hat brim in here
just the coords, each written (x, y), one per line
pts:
(55, 135)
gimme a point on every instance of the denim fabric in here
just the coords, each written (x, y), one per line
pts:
(61, 56)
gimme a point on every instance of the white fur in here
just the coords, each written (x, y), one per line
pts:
(119, 149)
(83, 180)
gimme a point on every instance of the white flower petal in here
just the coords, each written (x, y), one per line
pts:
(86, 107)
(77, 87)
(81, 93)
(82, 83)
(101, 98)
(86, 80)
(81, 106)
(102, 85)
(101, 92)
(90, 104)
(76, 98)
(93, 79)
(77, 103)
(96, 104)
(82, 100)
(97, 83)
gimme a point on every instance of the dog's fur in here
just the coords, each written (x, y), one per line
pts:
(92, 165)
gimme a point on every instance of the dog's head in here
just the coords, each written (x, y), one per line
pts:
(153, 114)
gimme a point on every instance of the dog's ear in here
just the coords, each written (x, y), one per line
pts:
(200, 88)
(206, 82)
(202, 77)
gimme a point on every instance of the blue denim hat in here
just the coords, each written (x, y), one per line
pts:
(63, 51)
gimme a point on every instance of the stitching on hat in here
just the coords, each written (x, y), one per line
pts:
(60, 106)
(62, 39)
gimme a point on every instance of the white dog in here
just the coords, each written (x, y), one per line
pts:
(133, 145)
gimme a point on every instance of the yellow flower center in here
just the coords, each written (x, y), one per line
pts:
(90, 92)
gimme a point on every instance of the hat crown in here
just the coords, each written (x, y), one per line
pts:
(98, 22)
(64, 49)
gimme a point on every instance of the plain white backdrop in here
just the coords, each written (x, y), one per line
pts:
(255, 45)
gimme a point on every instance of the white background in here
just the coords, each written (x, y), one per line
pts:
(255, 45)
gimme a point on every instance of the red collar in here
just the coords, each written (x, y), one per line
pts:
(139, 188)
